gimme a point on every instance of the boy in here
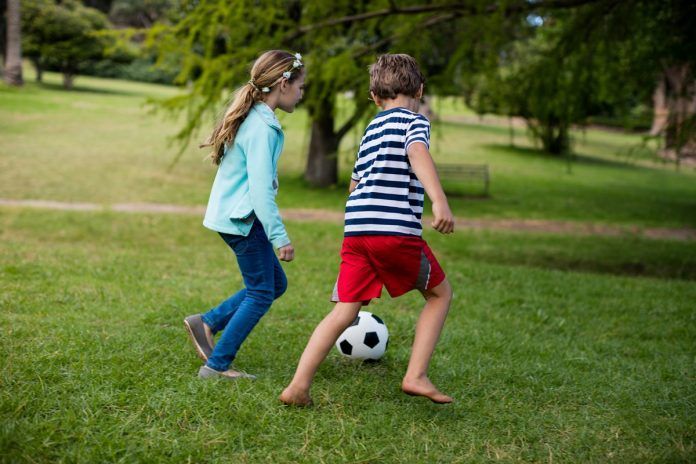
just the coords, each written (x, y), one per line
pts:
(382, 238)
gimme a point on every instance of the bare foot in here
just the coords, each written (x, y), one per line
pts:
(422, 386)
(295, 397)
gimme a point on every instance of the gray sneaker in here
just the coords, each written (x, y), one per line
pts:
(195, 328)
(206, 372)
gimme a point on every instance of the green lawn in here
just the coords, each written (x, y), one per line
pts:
(584, 358)
(99, 143)
(557, 348)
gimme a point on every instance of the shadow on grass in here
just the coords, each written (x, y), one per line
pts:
(628, 268)
(620, 256)
(89, 89)
(575, 158)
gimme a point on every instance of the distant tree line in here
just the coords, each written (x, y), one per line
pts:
(556, 63)
(103, 38)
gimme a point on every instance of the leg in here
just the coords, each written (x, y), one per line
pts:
(428, 330)
(319, 345)
(217, 318)
(255, 259)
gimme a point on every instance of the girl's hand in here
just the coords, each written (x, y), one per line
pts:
(443, 221)
(286, 253)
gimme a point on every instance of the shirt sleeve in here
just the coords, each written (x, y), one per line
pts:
(355, 176)
(261, 171)
(418, 131)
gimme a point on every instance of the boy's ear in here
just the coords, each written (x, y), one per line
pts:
(376, 99)
(419, 95)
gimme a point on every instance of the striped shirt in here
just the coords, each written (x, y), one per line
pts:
(388, 199)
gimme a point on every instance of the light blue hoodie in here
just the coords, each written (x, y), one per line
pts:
(246, 182)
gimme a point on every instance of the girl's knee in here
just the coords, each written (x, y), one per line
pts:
(281, 285)
(262, 297)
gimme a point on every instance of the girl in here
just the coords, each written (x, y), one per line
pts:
(246, 145)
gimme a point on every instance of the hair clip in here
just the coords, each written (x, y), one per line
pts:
(287, 74)
(265, 90)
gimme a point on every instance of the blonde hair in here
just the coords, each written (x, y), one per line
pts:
(266, 72)
(395, 74)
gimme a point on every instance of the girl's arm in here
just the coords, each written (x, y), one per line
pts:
(424, 168)
(259, 148)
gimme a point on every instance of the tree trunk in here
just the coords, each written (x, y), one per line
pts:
(38, 68)
(660, 110)
(322, 159)
(13, 52)
(554, 137)
(68, 79)
(680, 101)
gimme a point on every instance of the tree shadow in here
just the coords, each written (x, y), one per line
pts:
(675, 262)
(82, 89)
(575, 158)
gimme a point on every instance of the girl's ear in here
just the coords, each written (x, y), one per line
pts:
(284, 84)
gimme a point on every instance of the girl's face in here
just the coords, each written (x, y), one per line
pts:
(291, 93)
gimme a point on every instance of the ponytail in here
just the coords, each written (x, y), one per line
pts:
(227, 128)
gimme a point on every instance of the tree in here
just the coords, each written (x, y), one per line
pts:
(64, 36)
(575, 63)
(217, 40)
(139, 13)
(13, 44)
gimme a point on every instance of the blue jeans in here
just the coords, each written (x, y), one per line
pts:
(264, 280)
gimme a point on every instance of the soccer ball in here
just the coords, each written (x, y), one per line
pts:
(366, 338)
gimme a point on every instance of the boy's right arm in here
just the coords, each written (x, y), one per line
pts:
(424, 168)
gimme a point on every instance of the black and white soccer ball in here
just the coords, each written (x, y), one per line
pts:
(366, 338)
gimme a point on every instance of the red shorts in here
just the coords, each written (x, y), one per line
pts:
(400, 263)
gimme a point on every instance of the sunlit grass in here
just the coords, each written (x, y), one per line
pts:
(562, 347)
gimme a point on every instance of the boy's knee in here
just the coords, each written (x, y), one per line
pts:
(442, 290)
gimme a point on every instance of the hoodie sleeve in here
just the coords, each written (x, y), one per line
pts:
(261, 171)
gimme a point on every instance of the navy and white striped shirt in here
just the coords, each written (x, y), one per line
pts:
(389, 197)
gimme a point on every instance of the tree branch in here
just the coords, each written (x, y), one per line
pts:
(460, 8)
(353, 120)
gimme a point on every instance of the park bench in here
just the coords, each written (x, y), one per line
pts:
(458, 173)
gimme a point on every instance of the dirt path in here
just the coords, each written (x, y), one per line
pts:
(336, 217)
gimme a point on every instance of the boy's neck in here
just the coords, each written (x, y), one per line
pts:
(401, 101)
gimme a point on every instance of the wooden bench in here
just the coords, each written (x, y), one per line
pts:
(465, 172)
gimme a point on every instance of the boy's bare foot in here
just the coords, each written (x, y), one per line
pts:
(294, 397)
(422, 386)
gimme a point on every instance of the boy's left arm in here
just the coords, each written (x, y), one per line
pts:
(424, 168)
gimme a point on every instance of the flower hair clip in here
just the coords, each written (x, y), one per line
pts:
(295, 64)
(262, 89)
(298, 61)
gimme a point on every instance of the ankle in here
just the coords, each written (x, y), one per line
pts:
(298, 388)
(408, 377)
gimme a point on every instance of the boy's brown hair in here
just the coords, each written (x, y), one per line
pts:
(395, 74)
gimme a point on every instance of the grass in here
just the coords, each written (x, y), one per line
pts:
(557, 348)
(99, 143)
(579, 359)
